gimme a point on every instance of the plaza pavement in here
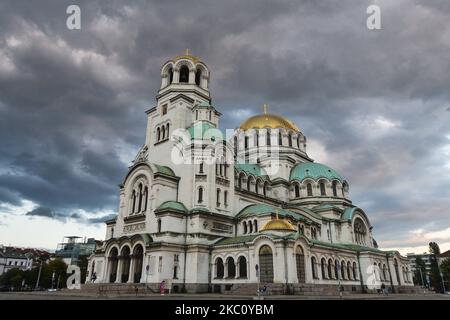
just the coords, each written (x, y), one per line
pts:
(93, 296)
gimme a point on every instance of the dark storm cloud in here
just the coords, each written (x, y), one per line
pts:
(72, 102)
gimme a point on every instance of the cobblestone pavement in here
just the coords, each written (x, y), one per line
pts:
(91, 296)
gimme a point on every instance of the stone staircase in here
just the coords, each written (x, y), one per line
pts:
(105, 289)
(290, 289)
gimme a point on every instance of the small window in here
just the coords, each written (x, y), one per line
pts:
(322, 189)
(334, 189)
(201, 168)
(198, 76)
(164, 109)
(297, 191)
(159, 225)
(309, 189)
(200, 195)
(218, 197)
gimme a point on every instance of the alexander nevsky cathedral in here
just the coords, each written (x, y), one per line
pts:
(212, 211)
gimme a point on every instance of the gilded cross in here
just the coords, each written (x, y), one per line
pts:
(187, 52)
(265, 107)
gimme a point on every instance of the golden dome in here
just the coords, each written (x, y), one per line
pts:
(267, 120)
(278, 225)
(188, 56)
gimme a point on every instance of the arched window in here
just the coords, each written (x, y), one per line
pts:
(219, 268)
(198, 76)
(158, 134)
(349, 268)
(170, 75)
(297, 191)
(280, 138)
(231, 267)
(309, 189)
(250, 227)
(334, 189)
(257, 139)
(323, 267)
(184, 74)
(249, 183)
(241, 177)
(290, 139)
(355, 273)
(163, 133)
(265, 188)
(235, 146)
(244, 224)
(209, 115)
(225, 198)
(344, 189)
(301, 229)
(336, 269)
(314, 267)
(298, 141)
(359, 230)
(330, 266)
(343, 269)
(218, 197)
(257, 186)
(159, 225)
(167, 131)
(242, 262)
(200, 195)
(140, 198)
(196, 114)
(322, 189)
(201, 167)
(133, 197)
(246, 143)
(267, 137)
(255, 223)
(145, 198)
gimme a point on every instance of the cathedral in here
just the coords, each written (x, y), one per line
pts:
(212, 211)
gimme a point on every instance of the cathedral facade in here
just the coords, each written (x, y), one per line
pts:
(208, 211)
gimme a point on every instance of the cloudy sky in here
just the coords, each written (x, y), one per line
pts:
(374, 104)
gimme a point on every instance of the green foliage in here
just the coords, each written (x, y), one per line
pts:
(434, 248)
(14, 277)
(420, 278)
(445, 269)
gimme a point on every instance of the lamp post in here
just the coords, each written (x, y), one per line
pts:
(39, 275)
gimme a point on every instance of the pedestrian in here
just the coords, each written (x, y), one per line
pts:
(94, 277)
(383, 289)
(162, 287)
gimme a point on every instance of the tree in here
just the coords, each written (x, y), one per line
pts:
(420, 273)
(445, 268)
(436, 281)
(434, 248)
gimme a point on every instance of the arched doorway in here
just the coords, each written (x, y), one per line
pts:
(219, 268)
(242, 262)
(138, 256)
(113, 260)
(266, 264)
(300, 261)
(231, 268)
(126, 259)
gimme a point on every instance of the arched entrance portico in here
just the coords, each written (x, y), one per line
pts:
(125, 260)
(266, 264)
(138, 257)
(113, 262)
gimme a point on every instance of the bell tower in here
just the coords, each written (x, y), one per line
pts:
(182, 100)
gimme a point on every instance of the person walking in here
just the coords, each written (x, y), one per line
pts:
(162, 287)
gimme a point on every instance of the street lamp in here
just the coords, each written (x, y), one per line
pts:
(39, 275)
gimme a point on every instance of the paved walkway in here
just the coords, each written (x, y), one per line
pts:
(93, 296)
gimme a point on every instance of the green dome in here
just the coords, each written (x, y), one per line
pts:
(314, 171)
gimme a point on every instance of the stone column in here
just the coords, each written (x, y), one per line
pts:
(176, 75)
(191, 76)
(225, 270)
(119, 269)
(237, 271)
(131, 271)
